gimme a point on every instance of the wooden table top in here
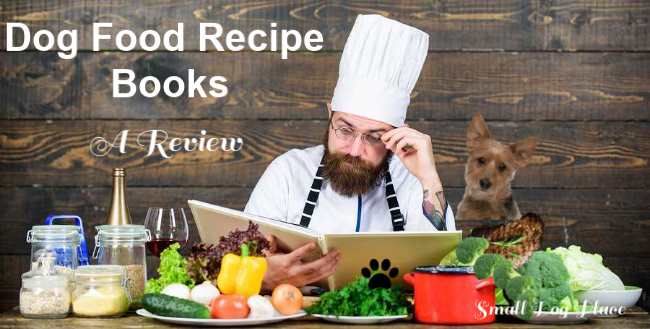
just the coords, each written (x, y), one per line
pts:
(634, 318)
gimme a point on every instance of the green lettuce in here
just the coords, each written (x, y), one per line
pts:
(172, 269)
(587, 271)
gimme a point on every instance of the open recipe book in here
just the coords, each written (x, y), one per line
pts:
(377, 255)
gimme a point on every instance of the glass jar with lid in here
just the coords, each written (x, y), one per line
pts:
(100, 291)
(61, 240)
(124, 245)
(45, 292)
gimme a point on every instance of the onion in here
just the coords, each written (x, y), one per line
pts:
(287, 299)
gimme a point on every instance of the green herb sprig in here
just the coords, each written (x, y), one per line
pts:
(357, 299)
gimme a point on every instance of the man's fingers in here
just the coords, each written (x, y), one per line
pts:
(398, 143)
(402, 147)
(392, 132)
(397, 131)
(323, 272)
(390, 143)
(301, 252)
(289, 268)
(387, 135)
(396, 137)
(273, 244)
(319, 263)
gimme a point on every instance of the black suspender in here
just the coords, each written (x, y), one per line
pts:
(312, 199)
(393, 206)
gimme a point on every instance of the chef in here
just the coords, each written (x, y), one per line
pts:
(372, 173)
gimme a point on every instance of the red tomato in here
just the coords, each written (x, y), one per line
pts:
(229, 307)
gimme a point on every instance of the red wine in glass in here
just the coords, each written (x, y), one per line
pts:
(167, 226)
(156, 246)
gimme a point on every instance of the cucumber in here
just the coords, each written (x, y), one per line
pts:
(165, 305)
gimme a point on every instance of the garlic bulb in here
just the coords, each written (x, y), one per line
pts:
(261, 308)
(177, 290)
(204, 293)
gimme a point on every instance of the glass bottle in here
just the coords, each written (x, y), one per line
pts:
(119, 212)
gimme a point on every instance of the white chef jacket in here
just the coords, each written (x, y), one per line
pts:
(282, 191)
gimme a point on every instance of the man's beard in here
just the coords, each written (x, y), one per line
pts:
(351, 175)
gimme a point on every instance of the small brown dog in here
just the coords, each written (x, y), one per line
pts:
(490, 169)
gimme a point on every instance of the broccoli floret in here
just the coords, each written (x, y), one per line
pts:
(484, 268)
(501, 269)
(551, 276)
(543, 279)
(504, 272)
(560, 296)
(524, 290)
(470, 249)
(466, 253)
(548, 267)
(485, 265)
(520, 285)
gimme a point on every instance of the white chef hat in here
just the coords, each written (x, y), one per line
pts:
(380, 65)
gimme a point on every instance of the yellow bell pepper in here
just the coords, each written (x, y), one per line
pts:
(241, 275)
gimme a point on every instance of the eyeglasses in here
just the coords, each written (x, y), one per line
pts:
(348, 134)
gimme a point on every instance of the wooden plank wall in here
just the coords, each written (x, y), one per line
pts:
(576, 74)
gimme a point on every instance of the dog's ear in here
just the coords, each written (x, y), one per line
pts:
(477, 131)
(523, 150)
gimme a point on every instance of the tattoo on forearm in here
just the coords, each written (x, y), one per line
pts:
(436, 215)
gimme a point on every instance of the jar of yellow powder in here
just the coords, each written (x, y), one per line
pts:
(100, 291)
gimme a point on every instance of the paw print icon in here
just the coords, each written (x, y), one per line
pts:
(379, 276)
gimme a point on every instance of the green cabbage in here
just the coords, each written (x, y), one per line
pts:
(587, 271)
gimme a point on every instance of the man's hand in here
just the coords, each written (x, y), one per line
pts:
(415, 151)
(289, 268)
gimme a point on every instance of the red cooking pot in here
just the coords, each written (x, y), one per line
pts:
(451, 295)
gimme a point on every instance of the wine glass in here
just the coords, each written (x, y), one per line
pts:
(167, 226)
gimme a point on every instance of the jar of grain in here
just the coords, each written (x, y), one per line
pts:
(100, 291)
(62, 240)
(45, 292)
(125, 245)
